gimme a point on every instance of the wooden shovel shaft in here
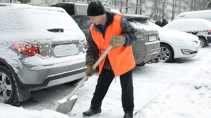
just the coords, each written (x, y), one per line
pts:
(85, 78)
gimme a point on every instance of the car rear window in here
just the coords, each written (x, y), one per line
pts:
(36, 19)
(77, 19)
(49, 19)
(139, 23)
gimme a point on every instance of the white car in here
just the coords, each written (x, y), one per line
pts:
(198, 27)
(176, 44)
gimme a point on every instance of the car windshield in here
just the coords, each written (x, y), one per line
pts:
(77, 19)
(86, 23)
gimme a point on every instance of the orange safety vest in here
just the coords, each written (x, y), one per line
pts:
(121, 58)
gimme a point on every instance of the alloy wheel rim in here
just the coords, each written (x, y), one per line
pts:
(201, 43)
(164, 54)
(5, 87)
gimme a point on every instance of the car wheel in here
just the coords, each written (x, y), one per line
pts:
(166, 53)
(202, 42)
(7, 86)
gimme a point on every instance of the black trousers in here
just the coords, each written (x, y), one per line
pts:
(104, 81)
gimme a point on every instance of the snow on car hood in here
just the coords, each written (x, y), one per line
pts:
(177, 35)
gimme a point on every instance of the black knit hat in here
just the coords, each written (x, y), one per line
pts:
(95, 8)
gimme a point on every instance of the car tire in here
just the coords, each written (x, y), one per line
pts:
(141, 64)
(166, 53)
(7, 86)
(202, 42)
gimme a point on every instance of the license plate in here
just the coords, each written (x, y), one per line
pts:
(152, 38)
(66, 50)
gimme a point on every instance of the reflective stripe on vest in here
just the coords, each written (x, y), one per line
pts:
(121, 58)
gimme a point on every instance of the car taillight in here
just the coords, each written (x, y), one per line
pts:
(209, 31)
(26, 48)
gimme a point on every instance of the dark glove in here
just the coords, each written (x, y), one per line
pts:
(117, 41)
(89, 69)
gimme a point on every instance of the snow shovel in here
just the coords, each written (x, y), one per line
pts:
(65, 105)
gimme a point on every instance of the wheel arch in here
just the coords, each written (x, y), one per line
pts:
(169, 46)
(22, 94)
(4, 63)
(201, 36)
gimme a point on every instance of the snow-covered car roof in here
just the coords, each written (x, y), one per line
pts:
(189, 25)
(202, 14)
(28, 18)
(115, 11)
(8, 6)
(135, 16)
(173, 35)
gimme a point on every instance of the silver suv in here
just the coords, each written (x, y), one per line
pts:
(38, 49)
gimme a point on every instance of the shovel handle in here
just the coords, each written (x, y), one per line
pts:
(85, 78)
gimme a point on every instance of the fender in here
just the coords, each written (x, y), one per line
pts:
(22, 94)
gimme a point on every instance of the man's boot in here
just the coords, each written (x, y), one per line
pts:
(128, 115)
(91, 112)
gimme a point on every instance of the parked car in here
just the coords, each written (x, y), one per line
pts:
(75, 8)
(198, 27)
(176, 44)
(145, 49)
(38, 49)
(202, 14)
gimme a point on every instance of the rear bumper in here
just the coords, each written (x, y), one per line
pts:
(37, 77)
(148, 56)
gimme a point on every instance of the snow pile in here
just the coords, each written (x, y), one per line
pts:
(8, 111)
(188, 98)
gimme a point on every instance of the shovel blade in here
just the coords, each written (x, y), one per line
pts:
(65, 105)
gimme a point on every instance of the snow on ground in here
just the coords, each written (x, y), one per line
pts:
(8, 111)
(181, 89)
(189, 97)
